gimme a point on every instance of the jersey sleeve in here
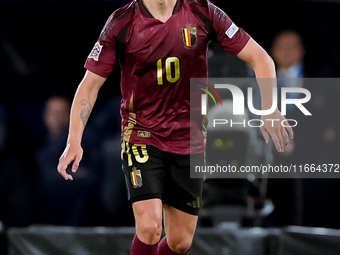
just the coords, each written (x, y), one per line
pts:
(231, 37)
(102, 58)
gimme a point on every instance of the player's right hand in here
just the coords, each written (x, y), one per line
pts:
(279, 134)
(72, 153)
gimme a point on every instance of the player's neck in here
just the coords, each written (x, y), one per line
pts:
(160, 9)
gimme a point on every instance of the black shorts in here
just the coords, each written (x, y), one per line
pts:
(152, 173)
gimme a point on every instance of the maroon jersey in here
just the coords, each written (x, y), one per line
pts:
(157, 61)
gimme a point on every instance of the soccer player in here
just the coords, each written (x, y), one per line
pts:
(160, 45)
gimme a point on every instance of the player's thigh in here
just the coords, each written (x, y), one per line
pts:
(148, 210)
(179, 227)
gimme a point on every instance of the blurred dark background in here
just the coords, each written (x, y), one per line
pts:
(43, 47)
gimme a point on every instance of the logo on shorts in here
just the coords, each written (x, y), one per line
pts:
(189, 36)
(97, 49)
(195, 204)
(136, 178)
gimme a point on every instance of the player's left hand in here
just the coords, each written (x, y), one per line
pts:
(273, 127)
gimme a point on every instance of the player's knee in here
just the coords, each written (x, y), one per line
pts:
(149, 232)
(149, 228)
(180, 245)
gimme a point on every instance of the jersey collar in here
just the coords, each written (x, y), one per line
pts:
(147, 14)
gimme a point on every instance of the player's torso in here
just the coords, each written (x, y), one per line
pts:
(159, 60)
(159, 55)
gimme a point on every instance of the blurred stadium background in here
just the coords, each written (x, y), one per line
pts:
(43, 46)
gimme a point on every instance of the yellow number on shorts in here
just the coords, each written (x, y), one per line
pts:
(135, 152)
(138, 158)
(127, 150)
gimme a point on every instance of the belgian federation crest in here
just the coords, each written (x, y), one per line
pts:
(136, 178)
(189, 36)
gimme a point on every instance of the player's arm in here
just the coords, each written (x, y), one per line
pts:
(231, 38)
(82, 105)
(264, 67)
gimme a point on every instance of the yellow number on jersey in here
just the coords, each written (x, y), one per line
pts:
(169, 62)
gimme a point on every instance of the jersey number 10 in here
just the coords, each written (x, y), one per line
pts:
(170, 64)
